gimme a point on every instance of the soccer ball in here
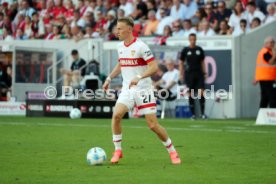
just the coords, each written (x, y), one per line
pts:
(95, 156)
(75, 113)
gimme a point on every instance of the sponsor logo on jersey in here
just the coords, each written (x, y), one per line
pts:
(148, 53)
(133, 53)
(129, 61)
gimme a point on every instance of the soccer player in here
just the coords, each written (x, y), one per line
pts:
(192, 58)
(137, 64)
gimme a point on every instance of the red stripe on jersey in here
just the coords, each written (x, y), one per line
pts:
(149, 60)
(125, 62)
(134, 40)
(146, 106)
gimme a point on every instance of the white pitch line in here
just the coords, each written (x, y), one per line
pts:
(192, 127)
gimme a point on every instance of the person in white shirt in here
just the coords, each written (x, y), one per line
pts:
(178, 10)
(127, 7)
(164, 21)
(252, 12)
(188, 29)
(169, 80)
(77, 20)
(236, 16)
(177, 29)
(136, 63)
(191, 8)
(242, 29)
(167, 87)
(206, 30)
(271, 15)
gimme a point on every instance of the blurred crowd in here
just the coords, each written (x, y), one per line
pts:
(82, 19)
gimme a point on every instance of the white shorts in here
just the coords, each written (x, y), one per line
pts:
(143, 99)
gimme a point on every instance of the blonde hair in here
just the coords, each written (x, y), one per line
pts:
(127, 20)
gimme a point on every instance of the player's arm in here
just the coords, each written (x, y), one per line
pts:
(203, 67)
(181, 70)
(152, 69)
(115, 72)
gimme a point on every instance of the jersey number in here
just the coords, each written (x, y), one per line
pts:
(146, 98)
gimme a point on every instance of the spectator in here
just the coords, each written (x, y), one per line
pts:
(76, 33)
(140, 11)
(7, 35)
(26, 9)
(210, 15)
(256, 22)
(20, 35)
(252, 12)
(223, 13)
(49, 32)
(266, 73)
(120, 13)
(89, 33)
(242, 29)
(37, 26)
(151, 5)
(161, 40)
(99, 8)
(28, 31)
(56, 33)
(111, 21)
(191, 8)
(66, 32)
(168, 85)
(151, 24)
(127, 7)
(178, 10)
(188, 29)
(90, 20)
(164, 21)
(82, 7)
(271, 16)
(77, 20)
(177, 29)
(58, 9)
(206, 30)
(236, 16)
(169, 80)
(69, 14)
(223, 28)
(73, 76)
(5, 81)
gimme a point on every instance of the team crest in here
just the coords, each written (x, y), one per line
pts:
(132, 53)
(198, 52)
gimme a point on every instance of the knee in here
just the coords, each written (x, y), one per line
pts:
(117, 117)
(153, 126)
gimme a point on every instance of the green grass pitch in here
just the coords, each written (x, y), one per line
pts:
(53, 151)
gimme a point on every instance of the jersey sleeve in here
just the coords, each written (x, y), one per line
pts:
(183, 55)
(146, 53)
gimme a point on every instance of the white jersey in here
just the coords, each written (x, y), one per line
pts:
(133, 59)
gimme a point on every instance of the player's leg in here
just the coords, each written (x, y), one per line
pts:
(124, 103)
(147, 105)
(118, 113)
(163, 136)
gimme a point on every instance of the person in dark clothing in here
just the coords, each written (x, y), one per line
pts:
(5, 81)
(73, 76)
(192, 66)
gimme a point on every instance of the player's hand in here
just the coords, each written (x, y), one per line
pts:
(106, 85)
(134, 82)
